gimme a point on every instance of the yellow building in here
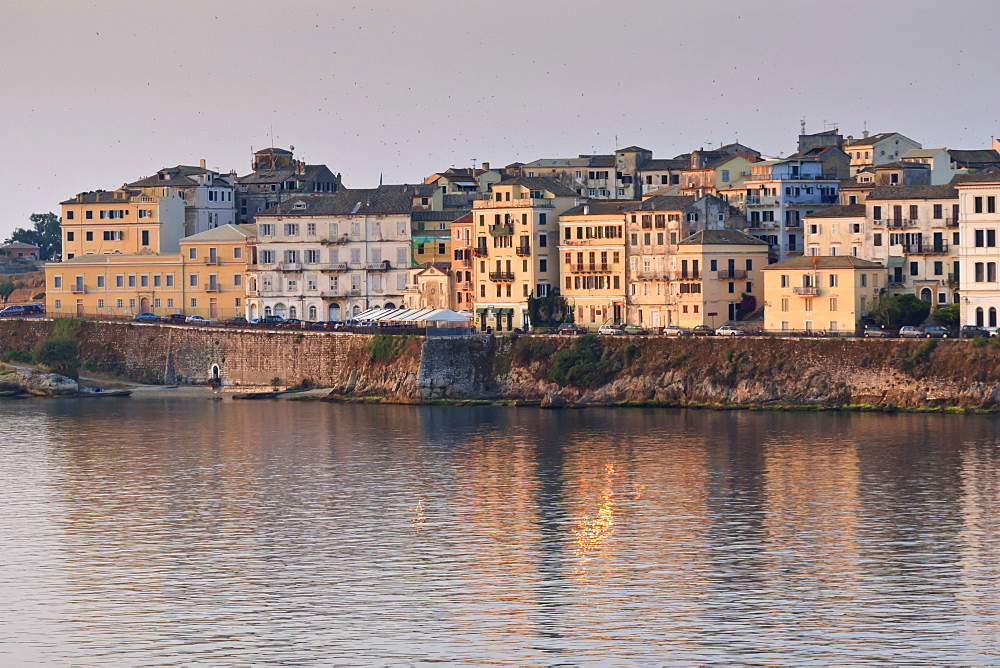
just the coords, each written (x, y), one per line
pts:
(125, 221)
(592, 248)
(207, 278)
(714, 277)
(516, 251)
(806, 294)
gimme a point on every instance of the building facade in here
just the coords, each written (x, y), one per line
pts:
(276, 177)
(979, 254)
(124, 221)
(209, 196)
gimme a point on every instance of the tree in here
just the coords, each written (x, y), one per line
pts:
(899, 310)
(947, 316)
(6, 290)
(60, 354)
(45, 233)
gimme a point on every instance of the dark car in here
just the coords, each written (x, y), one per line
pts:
(570, 328)
(33, 308)
(634, 330)
(146, 317)
(971, 331)
(702, 330)
(175, 318)
(268, 321)
(292, 323)
(876, 332)
(936, 332)
(238, 321)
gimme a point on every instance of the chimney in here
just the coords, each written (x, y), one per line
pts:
(201, 163)
(79, 197)
(586, 209)
(486, 166)
(864, 133)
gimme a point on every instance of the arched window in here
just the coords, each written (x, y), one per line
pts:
(292, 312)
(313, 312)
(389, 305)
(267, 310)
(253, 311)
(993, 317)
(279, 310)
(979, 317)
(355, 310)
(334, 311)
(926, 294)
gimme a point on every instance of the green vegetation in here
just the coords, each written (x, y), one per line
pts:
(548, 311)
(385, 347)
(60, 354)
(947, 316)
(6, 290)
(40, 296)
(44, 233)
(276, 382)
(19, 356)
(529, 349)
(588, 364)
(898, 310)
(66, 327)
(918, 357)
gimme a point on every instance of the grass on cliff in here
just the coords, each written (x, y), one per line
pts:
(385, 347)
(588, 364)
(66, 327)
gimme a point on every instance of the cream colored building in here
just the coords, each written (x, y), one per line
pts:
(878, 149)
(806, 294)
(462, 265)
(430, 287)
(208, 277)
(592, 248)
(125, 221)
(979, 253)
(712, 274)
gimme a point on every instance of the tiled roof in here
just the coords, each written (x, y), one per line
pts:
(179, 176)
(825, 262)
(914, 192)
(721, 237)
(667, 202)
(281, 174)
(606, 207)
(974, 157)
(840, 211)
(959, 179)
(432, 216)
(361, 201)
(103, 197)
(664, 163)
(868, 141)
(224, 233)
(633, 149)
(540, 183)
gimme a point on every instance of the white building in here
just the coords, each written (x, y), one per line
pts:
(329, 257)
(209, 200)
(979, 256)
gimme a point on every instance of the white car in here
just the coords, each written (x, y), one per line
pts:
(610, 329)
(197, 320)
(729, 330)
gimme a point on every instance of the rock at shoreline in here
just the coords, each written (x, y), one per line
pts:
(553, 401)
(44, 384)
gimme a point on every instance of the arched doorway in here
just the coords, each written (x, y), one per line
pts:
(253, 312)
(313, 313)
(926, 294)
(267, 311)
(993, 317)
(334, 311)
(355, 310)
(979, 317)
(279, 310)
(389, 305)
(215, 372)
(144, 305)
(293, 312)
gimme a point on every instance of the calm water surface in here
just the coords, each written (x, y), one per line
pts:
(168, 531)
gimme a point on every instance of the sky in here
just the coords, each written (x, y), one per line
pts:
(98, 94)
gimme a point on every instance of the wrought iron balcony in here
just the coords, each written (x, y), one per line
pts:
(807, 291)
(502, 276)
(523, 251)
(729, 274)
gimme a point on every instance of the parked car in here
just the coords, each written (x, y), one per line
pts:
(272, 320)
(972, 331)
(175, 318)
(33, 308)
(936, 332)
(609, 329)
(992, 331)
(909, 332)
(197, 320)
(238, 321)
(674, 330)
(702, 330)
(12, 310)
(292, 323)
(146, 317)
(634, 330)
(570, 328)
(876, 332)
(729, 330)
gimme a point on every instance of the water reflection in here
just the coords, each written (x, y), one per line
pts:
(184, 530)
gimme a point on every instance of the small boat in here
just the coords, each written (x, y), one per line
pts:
(99, 393)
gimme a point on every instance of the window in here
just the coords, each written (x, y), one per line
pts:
(833, 280)
(991, 204)
(979, 272)
(877, 239)
(193, 280)
(89, 215)
(914, 268)
(131, 280)
(266, 229)
(833, 303)
(170, 302)
(57, 281)
(145, 237)
(864, 280)
(784, 280)
(877, 213)
(113, 235)
(991, 238)
(978, 204)
(100, 303)
(144, 281)
(310, 228)
(938, 211)
(131, 303)
(194, 302)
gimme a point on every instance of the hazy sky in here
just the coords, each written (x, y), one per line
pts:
(97, 94)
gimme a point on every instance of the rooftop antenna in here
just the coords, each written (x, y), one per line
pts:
(802, 126)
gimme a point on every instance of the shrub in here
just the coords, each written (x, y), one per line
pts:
(947, 316)
(39, 296)
(66, 327)
(60, 354)
(583, 365)
(19, 356)
(919, 356)
(529, 349)
(385, 347)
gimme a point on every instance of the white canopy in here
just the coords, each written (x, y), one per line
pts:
(411, 315)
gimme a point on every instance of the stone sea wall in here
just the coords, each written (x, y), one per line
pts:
(865, 373)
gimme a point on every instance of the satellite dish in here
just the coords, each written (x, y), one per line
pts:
(291, 148)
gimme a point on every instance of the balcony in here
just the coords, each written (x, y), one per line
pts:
(335, 267)
(384, 265)
(652, 275)
(762, 201)
(212, 260)
(730, 274)
(901, 223)
(527, 202)
(464, 264)
(523, 251)
(501, 230)
(213, 288)
(950, 222)
(590, 268)
(502, 276)
(466, 286)
(480, 251)
(685, 276)
(291, 266)
(335, 242)
(952, 280)
(926, 249)
(806, 291)
(78, 290)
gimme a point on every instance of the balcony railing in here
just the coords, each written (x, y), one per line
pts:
(952, 280)
(465, 264)
(685, 276)
(523, 251)
(950, 222)
(213, 288)
(806, 291)
(480, 251)
(78, 289)
(291, 266)
(501, 230)
(901, 223)
(926, 249)
(502, 276)
(384, 265)
(336, 266)
(728, 274)
(590, 268)
(652, 275)
(335, 242)
(514, 203)
(212, 260)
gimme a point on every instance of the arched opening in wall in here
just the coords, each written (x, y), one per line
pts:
(979, 317)
(253, 311)
(313, 313)
(144, 305)
(355, 310)
(993, 317)
(279, 310)
(390, 305)
(215, 372)
(926, 294)
(334, 311)
(268, 311)
(293, 312)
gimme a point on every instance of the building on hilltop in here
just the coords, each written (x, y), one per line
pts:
(208, 195)
(978, 253)
(276, 177)
(877, 149)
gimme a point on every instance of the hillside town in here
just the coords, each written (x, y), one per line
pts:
(717, 236)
